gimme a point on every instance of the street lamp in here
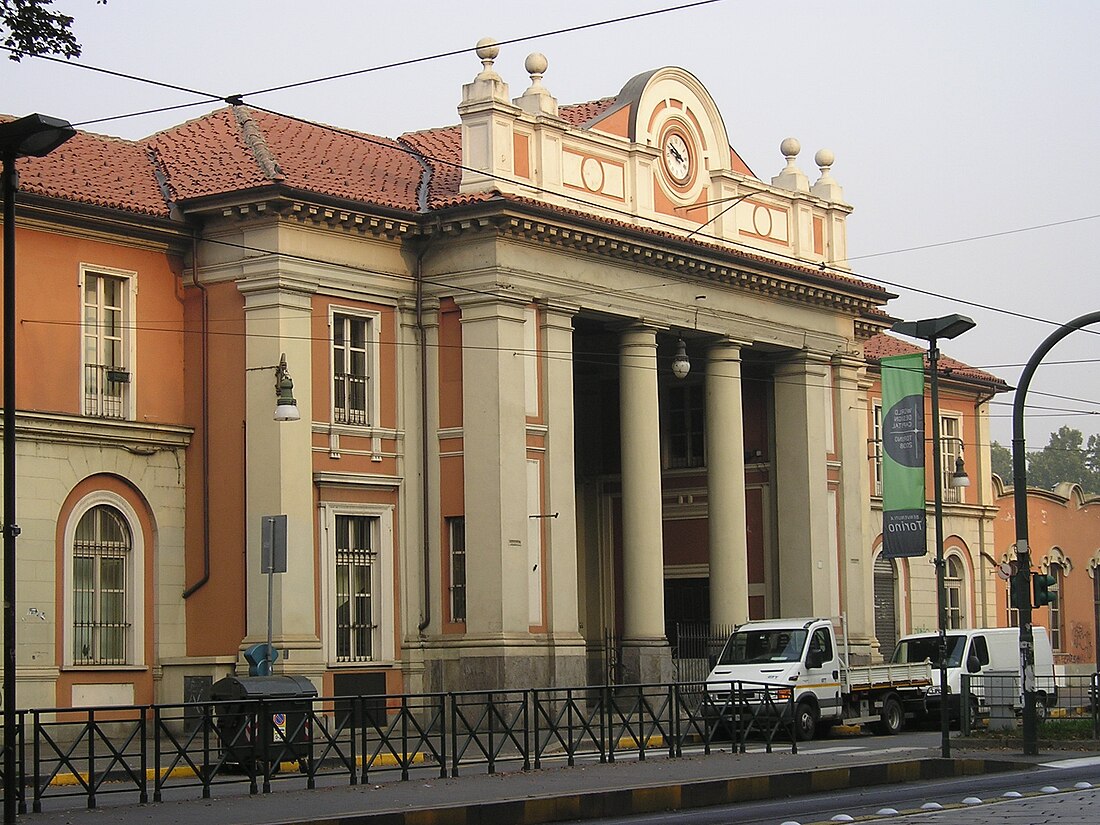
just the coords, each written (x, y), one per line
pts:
(30, 136)
(932, 330)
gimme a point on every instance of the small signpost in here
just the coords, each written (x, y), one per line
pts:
(272, 561)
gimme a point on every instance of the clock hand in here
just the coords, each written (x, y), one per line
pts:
(675, 153)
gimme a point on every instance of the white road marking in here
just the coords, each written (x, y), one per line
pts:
(1066, 764)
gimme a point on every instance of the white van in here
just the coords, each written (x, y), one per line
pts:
(982, 652)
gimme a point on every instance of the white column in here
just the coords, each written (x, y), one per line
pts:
(643, 561)
(494, 430)
(806, 565)
(726, 519)
(857, 568)
(279, 466)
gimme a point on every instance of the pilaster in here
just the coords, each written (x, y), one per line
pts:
(807, 563)
(278, 471)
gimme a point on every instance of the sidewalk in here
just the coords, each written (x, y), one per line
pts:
(558, 793)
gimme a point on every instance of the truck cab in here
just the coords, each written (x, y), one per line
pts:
(785, 655)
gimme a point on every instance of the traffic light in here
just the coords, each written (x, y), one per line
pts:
(1040, 588)
(1017, 590)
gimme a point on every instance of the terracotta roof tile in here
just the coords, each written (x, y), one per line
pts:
(96, 169)
(229, 150)
(882, 346)
(577, 114)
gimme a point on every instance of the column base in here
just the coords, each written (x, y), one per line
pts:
(646, 661)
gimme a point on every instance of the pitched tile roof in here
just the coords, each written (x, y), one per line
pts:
(239, 148)
(882, 346)
(97, 170)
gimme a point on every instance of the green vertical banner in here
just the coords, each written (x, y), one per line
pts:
(904, 518)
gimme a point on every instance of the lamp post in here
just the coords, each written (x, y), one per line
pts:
(1023, 549)
(30, 136)
(932, 330)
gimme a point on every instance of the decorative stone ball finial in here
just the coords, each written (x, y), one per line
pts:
(790, 148)
(824, 160)
(487, 51)
(535, 64)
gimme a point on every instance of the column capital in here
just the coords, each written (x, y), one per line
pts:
(805, 361)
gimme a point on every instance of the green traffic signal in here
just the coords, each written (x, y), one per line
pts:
(1040, 589)
(1017, 591)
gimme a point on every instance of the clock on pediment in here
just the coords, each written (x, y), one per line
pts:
(679, 155)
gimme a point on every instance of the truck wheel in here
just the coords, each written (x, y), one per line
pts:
(1041, 709)
(892, 719)
(805, 721)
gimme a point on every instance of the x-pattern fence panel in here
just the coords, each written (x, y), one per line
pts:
(143, 751)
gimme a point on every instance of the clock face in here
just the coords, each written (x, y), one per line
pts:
(677, 158)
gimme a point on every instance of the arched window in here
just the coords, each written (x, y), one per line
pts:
(955, 591)
(104, 583)
(101, 559)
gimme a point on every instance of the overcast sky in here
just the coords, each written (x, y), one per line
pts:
(949, 121)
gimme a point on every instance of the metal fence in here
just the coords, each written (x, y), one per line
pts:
(995, 701)
(695, 647)
(141, 751)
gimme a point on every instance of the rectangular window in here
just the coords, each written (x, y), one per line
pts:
(950, 452)
(1055, 590)
(351, 358)
(876, 441)
(356, 589)
(456, 531)
(686, 417)
(106, 345)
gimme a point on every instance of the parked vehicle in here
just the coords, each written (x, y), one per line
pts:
(799, 664)
(981, 652)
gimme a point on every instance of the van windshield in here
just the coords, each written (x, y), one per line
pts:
(928, 648)
(746, 647)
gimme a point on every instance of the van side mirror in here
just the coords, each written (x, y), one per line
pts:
(712, 661)
(973, 665)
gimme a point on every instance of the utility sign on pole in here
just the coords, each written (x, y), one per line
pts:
(272, 561)
(273, 544)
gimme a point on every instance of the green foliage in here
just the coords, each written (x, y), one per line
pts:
(1001, 458)
(1066, 458)
(33, 29)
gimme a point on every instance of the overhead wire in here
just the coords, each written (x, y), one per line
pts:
(846, 273)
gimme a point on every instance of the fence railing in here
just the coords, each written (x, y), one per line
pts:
(996, 701)
(141, 751)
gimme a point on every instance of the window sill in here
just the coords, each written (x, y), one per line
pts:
(70, 668)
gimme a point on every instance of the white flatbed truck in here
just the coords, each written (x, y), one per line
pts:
(799, 664)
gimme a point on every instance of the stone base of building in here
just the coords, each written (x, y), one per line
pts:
(493, 667)
(646, 662)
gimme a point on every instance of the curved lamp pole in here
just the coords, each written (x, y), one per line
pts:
(932, 330)
(30, 136)
(1023, 551)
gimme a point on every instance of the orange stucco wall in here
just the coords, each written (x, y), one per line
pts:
(49, 309)
(216, 612)
(1070, 524)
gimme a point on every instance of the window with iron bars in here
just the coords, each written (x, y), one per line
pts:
(101, 555)
(106, 360)
(356, 588)
(954, 592)
(350, 373)
(456, 528)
